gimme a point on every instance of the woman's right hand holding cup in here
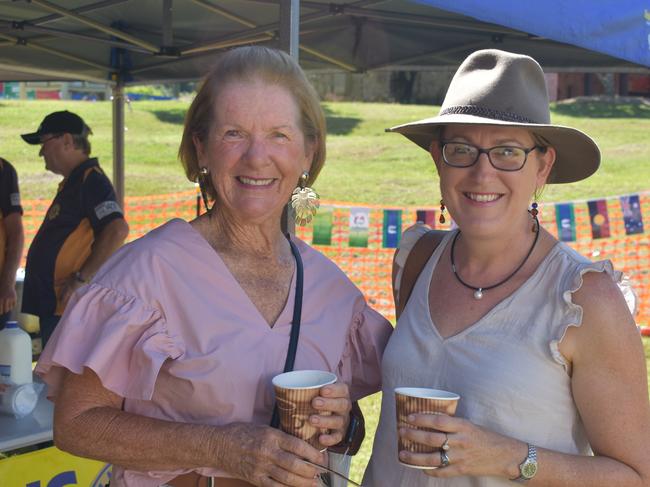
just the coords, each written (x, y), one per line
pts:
(267, 457)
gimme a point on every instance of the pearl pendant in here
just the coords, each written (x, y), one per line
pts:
(478, 294)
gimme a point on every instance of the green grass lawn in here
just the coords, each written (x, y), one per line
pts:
(364, 164)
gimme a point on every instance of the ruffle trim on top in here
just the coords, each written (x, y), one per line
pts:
(574, 312)
(123, 340)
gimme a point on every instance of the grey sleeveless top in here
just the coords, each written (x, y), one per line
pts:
(506, 367)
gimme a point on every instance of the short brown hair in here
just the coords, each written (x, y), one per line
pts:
(246, 63)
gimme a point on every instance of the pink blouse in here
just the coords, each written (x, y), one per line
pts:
(165, 325)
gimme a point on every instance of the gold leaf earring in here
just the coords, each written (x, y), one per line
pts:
(304, 201)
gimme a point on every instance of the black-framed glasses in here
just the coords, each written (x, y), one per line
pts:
(45, 141)
(502, 157)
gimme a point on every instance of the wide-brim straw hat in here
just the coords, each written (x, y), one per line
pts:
(493, 87)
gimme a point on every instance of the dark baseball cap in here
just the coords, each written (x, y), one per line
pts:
(63, 122)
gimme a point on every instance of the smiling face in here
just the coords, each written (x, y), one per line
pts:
(255, 150)
(481, 199)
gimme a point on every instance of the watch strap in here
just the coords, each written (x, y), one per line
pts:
(355, 434)
(528, 468)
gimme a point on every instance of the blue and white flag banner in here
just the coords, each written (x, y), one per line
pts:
(632, 218)
(392, 230)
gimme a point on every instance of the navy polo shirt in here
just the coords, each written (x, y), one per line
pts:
(84, 204)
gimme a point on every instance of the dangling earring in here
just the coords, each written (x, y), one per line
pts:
(533, 211)
(304, 201)
(203, 184)
(441, 219)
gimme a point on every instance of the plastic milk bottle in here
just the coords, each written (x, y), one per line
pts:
(15, 355)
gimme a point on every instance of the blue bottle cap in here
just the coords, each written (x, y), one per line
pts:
(11, 324)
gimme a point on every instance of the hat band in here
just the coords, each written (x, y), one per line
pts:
(484, 112)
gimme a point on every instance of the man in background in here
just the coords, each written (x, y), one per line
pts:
(82, 228)
(12, 238)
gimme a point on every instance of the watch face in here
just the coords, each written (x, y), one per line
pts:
(528, 470)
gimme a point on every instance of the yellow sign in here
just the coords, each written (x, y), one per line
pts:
(52, 468)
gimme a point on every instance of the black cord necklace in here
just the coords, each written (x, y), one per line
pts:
(478, 291)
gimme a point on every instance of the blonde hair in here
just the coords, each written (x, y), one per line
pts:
(245, 64)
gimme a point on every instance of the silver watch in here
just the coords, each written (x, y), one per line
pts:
(528, 468)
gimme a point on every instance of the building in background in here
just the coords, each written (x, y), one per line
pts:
(54, 90)
(84, 90)
(406, 86)
(572, 85)
(429, 87)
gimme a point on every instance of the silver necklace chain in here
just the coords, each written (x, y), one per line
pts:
(478, 291)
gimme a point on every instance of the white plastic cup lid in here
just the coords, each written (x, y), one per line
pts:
(304, 379)
(19, 400)
(427, 393)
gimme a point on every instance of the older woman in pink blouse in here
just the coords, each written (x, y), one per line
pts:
(162, 366)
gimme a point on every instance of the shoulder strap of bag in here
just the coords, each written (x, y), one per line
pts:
(416, 260)
(295, 324)
(297, 311)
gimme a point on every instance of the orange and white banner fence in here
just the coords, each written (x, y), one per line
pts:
(361, 238)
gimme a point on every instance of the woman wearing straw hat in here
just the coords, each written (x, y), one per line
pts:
(536, 339)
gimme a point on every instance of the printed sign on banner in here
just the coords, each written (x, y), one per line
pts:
(51, 467)
(428, 217)
(323, 226)
(599, 218)
(632, 214)
(359, 225)
(566, 222)
(392, 228)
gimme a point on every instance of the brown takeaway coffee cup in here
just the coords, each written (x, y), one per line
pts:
(294, 392)
(411, 400)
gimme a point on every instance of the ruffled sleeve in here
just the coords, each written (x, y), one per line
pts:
(572, 312)
(408, 241)
(123, 340)
(360, 364)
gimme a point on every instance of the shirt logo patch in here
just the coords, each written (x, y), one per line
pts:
(14, 199)
(53, 212)
(106, 208)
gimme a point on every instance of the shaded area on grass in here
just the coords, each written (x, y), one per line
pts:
(595, 107)
(171, 115)
(337, 125)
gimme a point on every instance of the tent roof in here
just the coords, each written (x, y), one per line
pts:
(146, 41)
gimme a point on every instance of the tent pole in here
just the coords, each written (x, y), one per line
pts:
(289, 35)
(290, 26)
(118, 141)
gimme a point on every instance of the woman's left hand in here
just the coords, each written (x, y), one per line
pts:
(333, 398)
(473, 450)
